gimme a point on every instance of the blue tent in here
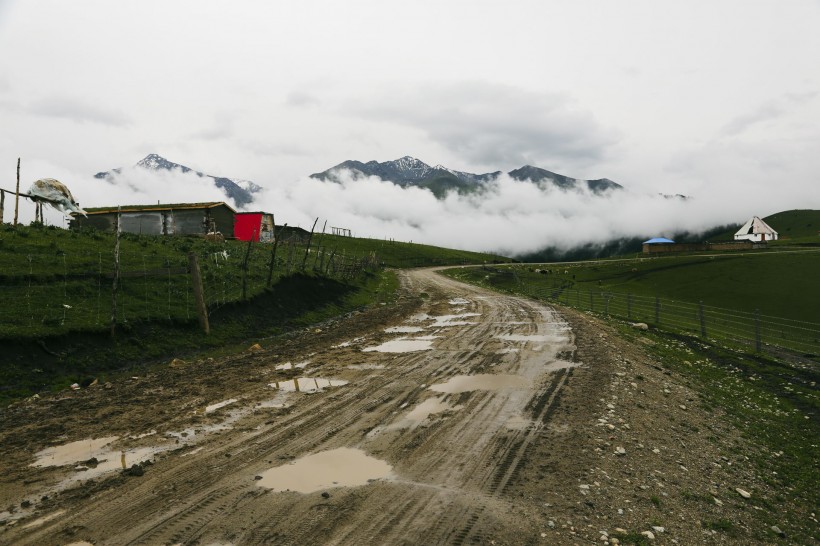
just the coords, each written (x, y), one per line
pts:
(658, 240)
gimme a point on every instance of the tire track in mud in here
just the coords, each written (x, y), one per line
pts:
(452, 471)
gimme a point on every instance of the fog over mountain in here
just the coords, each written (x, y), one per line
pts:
(509, 215)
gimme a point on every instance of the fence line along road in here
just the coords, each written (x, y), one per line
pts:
(51, 293)
(749, 330)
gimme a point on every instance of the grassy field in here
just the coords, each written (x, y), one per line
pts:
(778, 284)
(400, 254)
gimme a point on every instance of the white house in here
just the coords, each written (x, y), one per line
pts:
(756, 230)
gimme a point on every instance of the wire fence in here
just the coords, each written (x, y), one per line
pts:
(751, 330)
(54, 293)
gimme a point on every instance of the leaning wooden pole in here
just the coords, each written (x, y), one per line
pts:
(273, 250)
(245, 267)
(17, 193)
(307, 250)
(115, 286)
(2, 204)
(199, 293)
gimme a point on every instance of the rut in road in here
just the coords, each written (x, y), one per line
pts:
(450, 467)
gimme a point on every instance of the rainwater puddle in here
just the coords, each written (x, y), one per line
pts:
(190, 434)
(443, 321)
(561, 365)
(480, 382)
(419, 317)
(366, 367)
(289, 366)
(347, 343)
(539, 338)
(213, 407)
(508, 350)
(82, 452)
(403, 345)
(427, 408)
(307, 384)
(39, 521)
(403, 330)
(458, 301)
(73, 452)
(342, 467)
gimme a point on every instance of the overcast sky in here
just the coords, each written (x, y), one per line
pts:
(714, 99)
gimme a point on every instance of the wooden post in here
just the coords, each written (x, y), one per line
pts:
(307, 250)
(702, 318)
(2, 204)
(17, 193)
(273, 251)
(245, 267)
(199, 293)
(758, 342)
(116, 278)
(319, 247)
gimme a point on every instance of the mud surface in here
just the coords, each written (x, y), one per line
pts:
(413, 444)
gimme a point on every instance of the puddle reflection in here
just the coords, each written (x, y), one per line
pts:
(342, 467)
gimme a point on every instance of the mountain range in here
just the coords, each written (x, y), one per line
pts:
(240, 191)
(406, 172)
(409, 171)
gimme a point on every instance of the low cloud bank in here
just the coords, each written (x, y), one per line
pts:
(511, 217)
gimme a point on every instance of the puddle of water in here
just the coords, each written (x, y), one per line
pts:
(143, 435)
(403, 330)
(480, 382)
(190, 434)
(307, 384)
(39, 521)
(73, 452)
(419, 317)
(427, 408)
(342, 467)
(290, 366)
(366, 367)
(508, 350)
(404, 345)
(213, 407)
(561, 365)
(443, 321)
(540, 338)
(458, 301)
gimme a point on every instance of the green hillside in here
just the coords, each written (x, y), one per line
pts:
(799, 226)
(779, 284)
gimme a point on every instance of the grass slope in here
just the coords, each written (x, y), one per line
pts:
(778, 284)
(799, 226)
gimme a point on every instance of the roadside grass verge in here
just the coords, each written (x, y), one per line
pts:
(53, 363)
(774, 405)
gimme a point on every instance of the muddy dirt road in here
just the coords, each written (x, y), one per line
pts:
(456, 416)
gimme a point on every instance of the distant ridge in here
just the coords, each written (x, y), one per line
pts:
(409, 171)
(240, 191)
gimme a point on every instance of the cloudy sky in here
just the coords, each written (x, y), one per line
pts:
(715, 99)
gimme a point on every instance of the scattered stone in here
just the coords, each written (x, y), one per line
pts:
(325, 495)
(777, 530)
(75, 386)
(658, 529)
(92, 462)
(614, 540)
(257, 477)
(743, 493)
(176, 363)
(717, 501)
(620, 531)
(649, 534)
(25, 504)
(640, 326)
(108, 385)
(551, 524)
(255, 347)
(620, 451)
(135, 470)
